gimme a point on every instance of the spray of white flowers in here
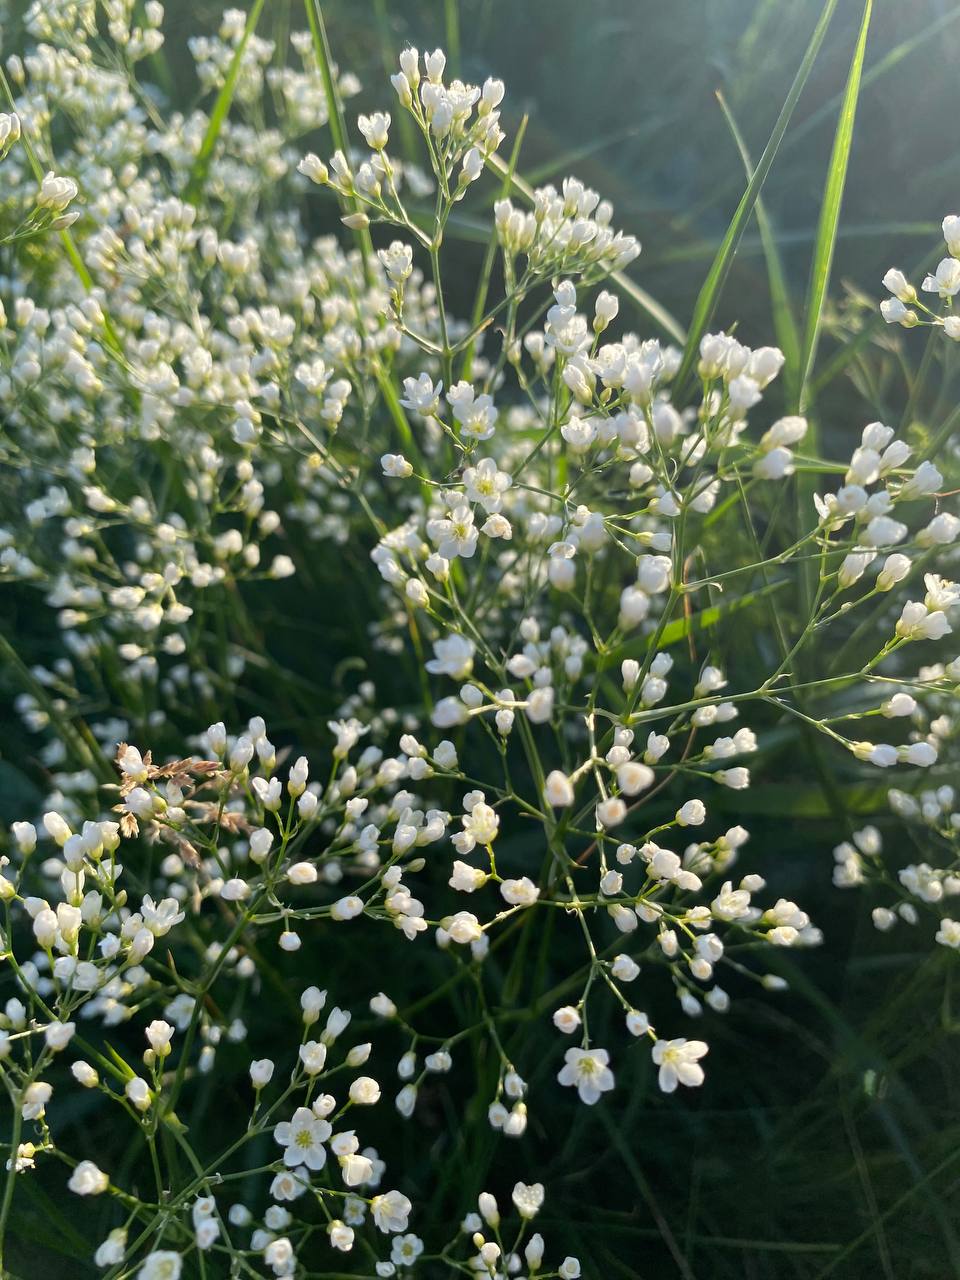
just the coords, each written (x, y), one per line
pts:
(197, 394)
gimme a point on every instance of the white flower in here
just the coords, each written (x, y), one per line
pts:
(303, 1137)
(634, 777)
(406, 1250)
(624, 968)
(587, 1070)
(160, 917)
(611, 812)
(88, 1180)
(691, 814)
(475, 414)
(558, 790)
(946, 279)
(456, 535)
(678, 1061)
(467, 879)
(480, 826)
(899, 285)
(566, 1019)
(528, 1199)
(58, 1035)
(948, 935)
(895, 312)
(111, 1250)
(35, 1098)
(313, 1055)
(159, 1036)
(9, 131)
(375, 129)
(486, 484)
(520, 893)
(56, 193)
(397, 261)
(453, 657)
(288, 1186)
(917, 623)
(463, 928)
(396, 466)
(364, 1091)
(261, 1072)
(391, 1211)
(421, 395)
(234, 890)
(138, 1092)
(162, 1264)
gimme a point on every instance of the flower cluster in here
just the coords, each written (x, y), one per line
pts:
(558, 536)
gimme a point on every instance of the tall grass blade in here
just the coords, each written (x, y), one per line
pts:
(713, 285)
(822, 263)
(830, 210)
(892, 58)
(201, 166)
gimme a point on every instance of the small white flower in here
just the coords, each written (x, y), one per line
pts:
(679, 1063)
(88, 1180)
(588, 1072)
(303, 1137)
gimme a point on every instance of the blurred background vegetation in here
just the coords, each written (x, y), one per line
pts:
(826, 1141)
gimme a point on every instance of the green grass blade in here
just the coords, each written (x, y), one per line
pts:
(784, 323)
(892, 58)
(713, 285)
(830, 211)
(201, 166)
(826, 110)
(822, 263)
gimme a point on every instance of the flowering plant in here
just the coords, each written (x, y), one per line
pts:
(571, 533)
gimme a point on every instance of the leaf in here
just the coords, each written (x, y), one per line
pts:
(716, 278)
(830, 212)
(201, 166)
